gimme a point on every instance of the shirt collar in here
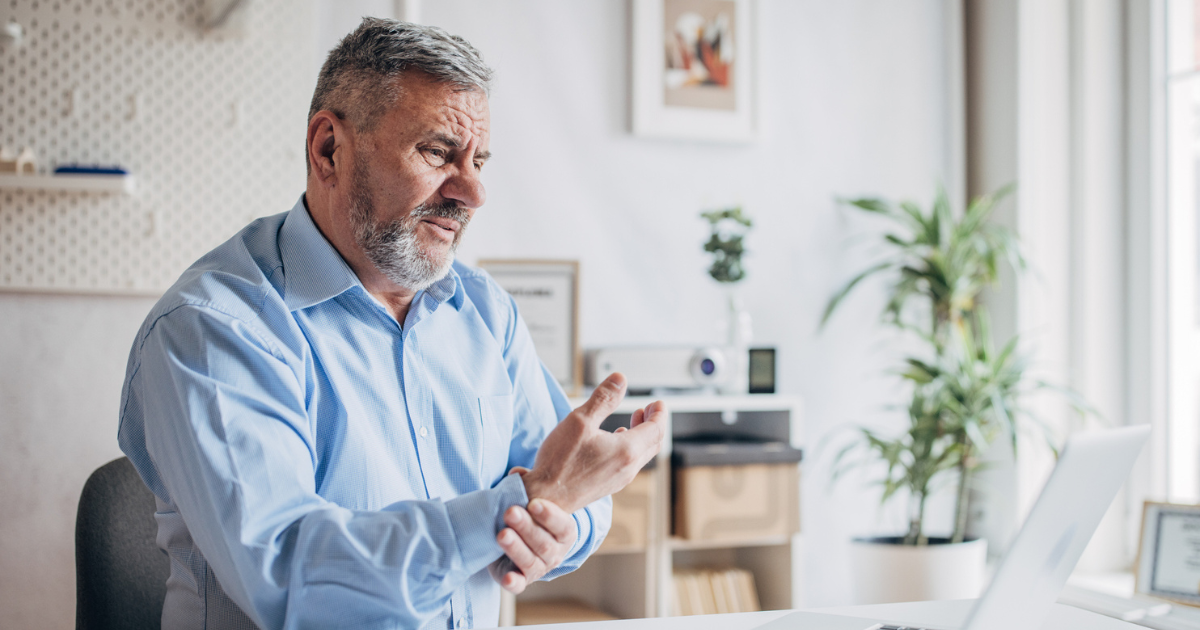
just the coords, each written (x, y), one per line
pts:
(448, 288)
(314, 271)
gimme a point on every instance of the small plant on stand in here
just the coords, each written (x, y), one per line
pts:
(727, 245)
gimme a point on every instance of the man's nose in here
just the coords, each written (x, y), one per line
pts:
(465, 186)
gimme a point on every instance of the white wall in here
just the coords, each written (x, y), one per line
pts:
(853, 103)
(60, 382)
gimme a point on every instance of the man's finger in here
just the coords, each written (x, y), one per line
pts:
(501, 567)
(542, 542)
(648, 435)
(505, 573)
(521, 555)
(604, 399)
(554, 520)
(637, 418)
(514, 582)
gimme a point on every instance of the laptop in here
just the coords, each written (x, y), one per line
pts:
(1090, 470)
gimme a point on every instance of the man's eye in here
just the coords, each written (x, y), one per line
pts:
(479, 165)
(439, 154)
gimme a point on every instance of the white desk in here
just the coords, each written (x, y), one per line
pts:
(943, 614)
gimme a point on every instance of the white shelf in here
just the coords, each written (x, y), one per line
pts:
(716, 403)
(79, 183)
(702, 402)
(679, 544)
(616, 551)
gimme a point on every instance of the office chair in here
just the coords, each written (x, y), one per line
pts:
(120, 574)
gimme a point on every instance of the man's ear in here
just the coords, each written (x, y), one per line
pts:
(326, 134)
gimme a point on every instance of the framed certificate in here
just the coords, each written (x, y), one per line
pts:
(1168, 563)
(547, 296)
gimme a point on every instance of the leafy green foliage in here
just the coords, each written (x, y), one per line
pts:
(936, 259)
(729, 228)
(966, 393)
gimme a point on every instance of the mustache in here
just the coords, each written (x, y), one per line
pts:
(445, 210)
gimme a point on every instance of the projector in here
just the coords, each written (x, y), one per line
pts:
(657, 368)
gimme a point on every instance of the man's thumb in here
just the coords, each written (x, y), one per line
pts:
(605, 399)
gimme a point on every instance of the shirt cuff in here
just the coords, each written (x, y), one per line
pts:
(583, 532)
(476, 518)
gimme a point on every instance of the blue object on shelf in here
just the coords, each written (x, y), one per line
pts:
(81, 169)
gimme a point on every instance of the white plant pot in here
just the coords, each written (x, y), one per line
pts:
(886, 572)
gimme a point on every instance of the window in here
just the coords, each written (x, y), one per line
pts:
(1182, 120)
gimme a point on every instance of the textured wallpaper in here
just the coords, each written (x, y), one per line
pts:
(211, 125)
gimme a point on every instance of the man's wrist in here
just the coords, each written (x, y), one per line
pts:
(536, 487)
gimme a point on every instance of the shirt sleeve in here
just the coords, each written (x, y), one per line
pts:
(228, 435)
(540, 405)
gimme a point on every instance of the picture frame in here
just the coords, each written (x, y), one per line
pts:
(693, 70)
(1168, 562)
(547, 297)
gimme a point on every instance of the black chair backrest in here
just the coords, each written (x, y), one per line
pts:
(120, 574)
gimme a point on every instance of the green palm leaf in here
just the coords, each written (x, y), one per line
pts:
(964, 393)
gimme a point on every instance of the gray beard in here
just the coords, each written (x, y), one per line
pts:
(394, 247)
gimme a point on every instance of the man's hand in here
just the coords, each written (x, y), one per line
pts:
(534, 543)
(579, 462)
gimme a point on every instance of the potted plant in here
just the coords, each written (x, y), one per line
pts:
(964, 393)
(726, 244)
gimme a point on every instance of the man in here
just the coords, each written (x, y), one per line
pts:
(327, 407)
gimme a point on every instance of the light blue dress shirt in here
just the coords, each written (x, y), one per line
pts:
(316, 465)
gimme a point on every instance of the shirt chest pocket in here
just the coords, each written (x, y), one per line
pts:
(496, 420)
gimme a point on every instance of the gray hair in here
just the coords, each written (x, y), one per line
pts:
(358, 80)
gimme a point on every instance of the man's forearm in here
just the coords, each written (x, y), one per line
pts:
(402, 563)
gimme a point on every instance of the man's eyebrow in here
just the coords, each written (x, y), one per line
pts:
(455, 143)
(447, 140)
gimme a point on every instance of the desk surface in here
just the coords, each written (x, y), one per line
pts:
(945, 614)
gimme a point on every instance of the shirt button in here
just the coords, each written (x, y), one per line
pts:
(425, 432)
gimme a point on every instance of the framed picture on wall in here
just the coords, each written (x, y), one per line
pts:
(547, 296)
(1168, 564)
(693, 69)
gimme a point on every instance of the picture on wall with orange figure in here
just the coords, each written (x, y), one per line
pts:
(693, 70)
(700, 54)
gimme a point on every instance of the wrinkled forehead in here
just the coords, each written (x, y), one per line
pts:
(425, 104)
(467, 111)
